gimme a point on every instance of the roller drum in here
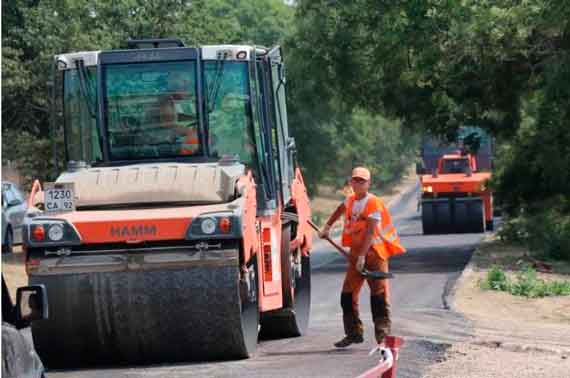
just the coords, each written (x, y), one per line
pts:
(142, 317)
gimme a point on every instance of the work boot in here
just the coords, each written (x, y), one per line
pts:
(347, 340)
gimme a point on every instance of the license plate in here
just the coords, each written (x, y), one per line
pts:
(59, 197)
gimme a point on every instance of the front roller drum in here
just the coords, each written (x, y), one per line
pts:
(469, 215)
(453, 215)
(142, 317)
(436, 216)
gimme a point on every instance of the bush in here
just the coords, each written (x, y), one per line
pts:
(546, 231)
(550, 233)
(526, 283)
(514, 230)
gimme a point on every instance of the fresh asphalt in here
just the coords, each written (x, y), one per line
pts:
(420, 294)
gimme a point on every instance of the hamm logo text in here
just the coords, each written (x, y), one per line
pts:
(130, 231)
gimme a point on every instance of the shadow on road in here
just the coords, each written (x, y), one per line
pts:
(417, 260)
(305, 352)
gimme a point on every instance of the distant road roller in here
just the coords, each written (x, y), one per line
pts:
(178, 230)
(455, 197)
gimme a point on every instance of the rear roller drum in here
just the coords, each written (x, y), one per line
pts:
(143, 317)
(443, 211)
(461, 217)
(293, 319)
(476, 217)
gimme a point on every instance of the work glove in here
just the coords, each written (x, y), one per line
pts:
(360, 263)
(325, 232)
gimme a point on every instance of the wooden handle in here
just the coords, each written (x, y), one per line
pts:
(333, 243)
(365, 273)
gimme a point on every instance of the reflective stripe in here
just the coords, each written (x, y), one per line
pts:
(376, 216)
(392, 238)
(387, 228)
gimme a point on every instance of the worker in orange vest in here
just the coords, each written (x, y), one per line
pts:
(170, 118)
(372, 238)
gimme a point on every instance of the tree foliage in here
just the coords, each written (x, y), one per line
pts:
(327, 130)
(503, 65)
(34, 31)
(435, 64)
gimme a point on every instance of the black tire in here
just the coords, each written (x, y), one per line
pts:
(461, 217)
(249, 297)
(443, 211)
(436, 217)
(293, 319)
(428, 219)
(476, 217)
(8, 245)
(289, 263)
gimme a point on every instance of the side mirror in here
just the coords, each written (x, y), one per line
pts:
(14, 202)
(31, 304)
(291, 146)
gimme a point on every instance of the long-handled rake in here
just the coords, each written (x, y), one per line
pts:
(366, 273)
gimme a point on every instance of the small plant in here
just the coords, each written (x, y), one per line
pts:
(526, 284)
(496, 280)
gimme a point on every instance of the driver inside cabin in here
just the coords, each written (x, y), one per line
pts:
(173, 115)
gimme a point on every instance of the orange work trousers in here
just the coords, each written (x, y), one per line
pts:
(379, 297)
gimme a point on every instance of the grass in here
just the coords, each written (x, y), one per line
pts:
(525, 283)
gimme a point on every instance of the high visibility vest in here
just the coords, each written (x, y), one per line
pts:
(385, 241)
(191, 143)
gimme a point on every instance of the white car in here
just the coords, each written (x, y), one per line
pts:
(14, 210)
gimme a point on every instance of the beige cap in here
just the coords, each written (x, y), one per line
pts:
(361, 172)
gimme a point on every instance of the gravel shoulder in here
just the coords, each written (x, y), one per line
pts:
(514, 337)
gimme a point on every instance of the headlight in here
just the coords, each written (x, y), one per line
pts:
(224, 225)
(55, 232)
(46, 232)
(208, 226)
(428, 189)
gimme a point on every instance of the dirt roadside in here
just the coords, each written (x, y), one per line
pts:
(514, 337)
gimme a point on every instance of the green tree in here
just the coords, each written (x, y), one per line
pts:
(34, 31)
